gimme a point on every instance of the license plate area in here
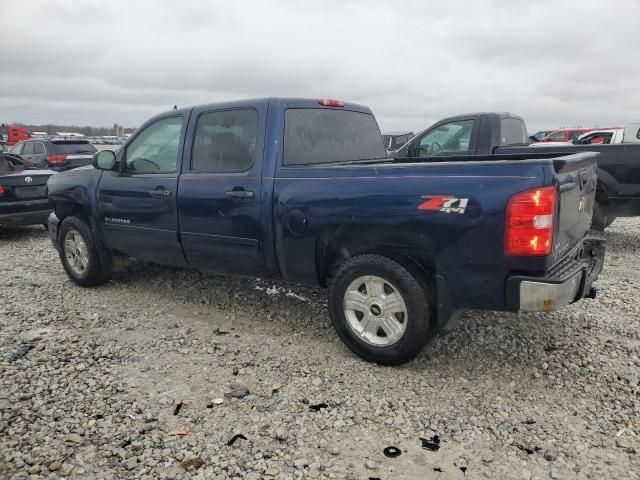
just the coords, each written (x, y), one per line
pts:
(30, 192)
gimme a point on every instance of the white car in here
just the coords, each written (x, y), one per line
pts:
(629, 134)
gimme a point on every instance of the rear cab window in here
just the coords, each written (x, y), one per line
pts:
(513, 132)
(73, 148)
(319, 136)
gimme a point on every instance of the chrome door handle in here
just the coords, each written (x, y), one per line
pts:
(240, 193)
(160, 193)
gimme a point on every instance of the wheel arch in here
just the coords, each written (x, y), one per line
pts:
(336, 245)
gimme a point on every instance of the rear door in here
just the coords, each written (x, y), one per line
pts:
(137, 207)
(220, 190)
(39, 155)
(28, 151)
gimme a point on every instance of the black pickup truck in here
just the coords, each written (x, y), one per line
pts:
(490, 135)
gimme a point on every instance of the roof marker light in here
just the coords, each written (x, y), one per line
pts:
(330, 102)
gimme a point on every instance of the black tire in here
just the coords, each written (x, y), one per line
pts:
(95, 273)
(601, 220)
(418, 330)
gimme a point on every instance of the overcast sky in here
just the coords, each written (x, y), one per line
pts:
(561, 63)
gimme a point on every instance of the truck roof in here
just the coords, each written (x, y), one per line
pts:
(286, 102)
(480, 114)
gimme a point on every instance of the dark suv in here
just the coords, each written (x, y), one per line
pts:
(55, 155)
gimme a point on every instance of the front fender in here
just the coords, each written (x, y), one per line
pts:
(73, 190)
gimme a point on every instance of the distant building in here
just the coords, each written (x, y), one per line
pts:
(118, 130)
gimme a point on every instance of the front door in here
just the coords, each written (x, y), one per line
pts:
(219, 191)
(137, 206)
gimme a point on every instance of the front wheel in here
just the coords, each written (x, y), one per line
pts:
(79, 254)
(379, 310)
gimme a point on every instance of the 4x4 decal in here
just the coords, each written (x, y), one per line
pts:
(443, 203)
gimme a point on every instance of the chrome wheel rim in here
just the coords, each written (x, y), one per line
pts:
(75, 251)
(375, 310)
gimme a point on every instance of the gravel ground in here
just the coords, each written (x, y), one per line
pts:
(114, 371)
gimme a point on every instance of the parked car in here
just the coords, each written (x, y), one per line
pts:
(23, 193)
(539, 135)
(57, 155)
(566, 135)
(302, 190)
(601, 137)
(394, 140)
(628, 134)
(485, 135)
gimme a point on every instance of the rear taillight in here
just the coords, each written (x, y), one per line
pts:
(330, 102)
(2, 191)
(529, 222)
(56, 159)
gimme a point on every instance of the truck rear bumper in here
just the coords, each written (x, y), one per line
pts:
(567, 282)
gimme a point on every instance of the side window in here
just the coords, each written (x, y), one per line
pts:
(556, 137)
(574, 134)
(38, 148)
(512, 132)
(452, 137)
(17, 149)
(28, 149)
(225, 141)
(155, 149)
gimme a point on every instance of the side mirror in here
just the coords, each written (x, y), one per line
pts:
(104, 160)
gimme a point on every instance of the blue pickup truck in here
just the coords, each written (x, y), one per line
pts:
(302, 190)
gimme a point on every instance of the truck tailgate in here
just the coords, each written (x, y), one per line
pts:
(576, 180)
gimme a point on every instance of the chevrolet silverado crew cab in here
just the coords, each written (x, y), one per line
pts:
(484, 135)
(302, 190)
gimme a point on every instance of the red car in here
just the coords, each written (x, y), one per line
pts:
(565, 134)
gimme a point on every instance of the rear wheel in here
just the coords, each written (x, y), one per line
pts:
(379, 310)
(79, 255)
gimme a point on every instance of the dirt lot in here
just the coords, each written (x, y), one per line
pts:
(509, 396)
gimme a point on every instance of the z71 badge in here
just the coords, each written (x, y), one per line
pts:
(443, 203)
